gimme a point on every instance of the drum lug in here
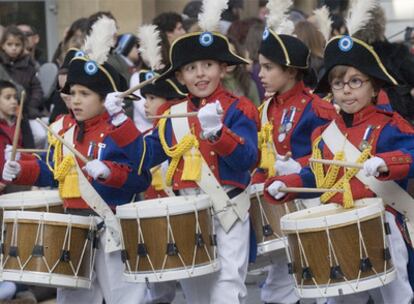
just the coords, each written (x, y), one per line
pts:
(336, 273)
(365, 264)
(142, 250)
(124, 256)
(387, 254)
(14, 251)
(38, 251)
(267, 230)
(213, 240)
(172, 249)
(290, 268)
(307, 273)
(199, 240)
(65, 256)
(387, 228)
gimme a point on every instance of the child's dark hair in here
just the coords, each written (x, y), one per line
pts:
(13, 30)
(299, 72)
(4, 84)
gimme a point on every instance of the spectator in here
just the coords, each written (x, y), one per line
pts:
(32, 40)
(231, 14)
(1, 30)
(338, 25)
(240, 28)
(237, 79)
(127, 48)
(252, 43)
(74, 38)
(170, 25)
(314, 40)
(263, 10)
(18, 68)
(190, 14)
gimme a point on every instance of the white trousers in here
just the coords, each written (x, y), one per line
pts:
(227, 285)
(398, 291)
(279, 284)
(163, 292)
(107, 283)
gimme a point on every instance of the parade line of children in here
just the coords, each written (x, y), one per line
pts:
(229, 143)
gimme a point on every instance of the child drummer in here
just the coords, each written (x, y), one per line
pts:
(109, 175)
(224, 135)
(287, 122)
(384, 143)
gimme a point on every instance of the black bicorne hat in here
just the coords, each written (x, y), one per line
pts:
(350, 51)
(167, 88)
(285, 50)
(102, 79)
(201, 46)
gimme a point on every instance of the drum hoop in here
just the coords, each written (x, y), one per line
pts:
(10, 216)
(256, 188)
(36, 198)
(158, 207)
(298, 221)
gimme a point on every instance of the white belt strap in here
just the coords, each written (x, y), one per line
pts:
(389, 191)
(96, 202)
(227, 210)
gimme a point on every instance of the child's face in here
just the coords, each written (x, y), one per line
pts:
(202, 77)
(13, 46)
(8, 102)
(152, 103)
(352, 100)
(85, 103)
(274, 79)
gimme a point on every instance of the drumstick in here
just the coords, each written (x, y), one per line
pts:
(138, 86)
(343, 164)
(308, 190)
(64, 142)
(17, 129)
(178, 115)
(31, 150)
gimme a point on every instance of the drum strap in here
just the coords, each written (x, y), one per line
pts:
(389, 191)
(227, 210)
(96, 202)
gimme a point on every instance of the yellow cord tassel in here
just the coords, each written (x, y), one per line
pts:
(67, 176)
(330, 179)
(157, 179)
(64, 169)
(192, 159)
(268, 157)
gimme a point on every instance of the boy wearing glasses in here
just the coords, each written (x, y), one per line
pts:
(354, 75)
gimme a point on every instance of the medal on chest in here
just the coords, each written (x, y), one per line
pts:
(286, 123)
(365, 139)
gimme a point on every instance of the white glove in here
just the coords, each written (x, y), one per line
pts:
(210, 118)
(372, 165)
(11, 170)
(113, 103)
(119, 119)
(274, 188)
(8, 151)
(286, 167)
(97, 169)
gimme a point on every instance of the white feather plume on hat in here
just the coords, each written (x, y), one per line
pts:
(323, 21)
(100, 40)
(210, 15)
(150, 48)
(277, 19)
(359, 15)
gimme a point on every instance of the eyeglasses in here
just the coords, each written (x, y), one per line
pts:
(353, 83)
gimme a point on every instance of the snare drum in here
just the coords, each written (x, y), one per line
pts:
(265, 219)
(48, 249)
(37, 200)
(168, 239)
(335, 251)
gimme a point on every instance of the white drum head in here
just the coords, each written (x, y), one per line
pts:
(30, 199)
(331, 215)
(87, 221)
(162, 206)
